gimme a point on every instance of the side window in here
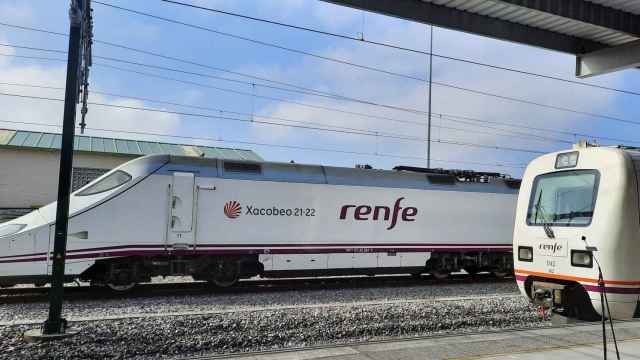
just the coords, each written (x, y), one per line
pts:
(110, 182)
(82, 176)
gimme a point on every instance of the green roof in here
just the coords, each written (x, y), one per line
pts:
(47, 141)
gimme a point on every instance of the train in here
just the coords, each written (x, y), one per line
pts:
(577, 232)
(220, 221)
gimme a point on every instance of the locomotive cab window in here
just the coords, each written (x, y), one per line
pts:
(564, 198)
(110, 182)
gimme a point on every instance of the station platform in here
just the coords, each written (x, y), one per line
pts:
(569, 342)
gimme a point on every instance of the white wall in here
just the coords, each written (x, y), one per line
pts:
(29, 177)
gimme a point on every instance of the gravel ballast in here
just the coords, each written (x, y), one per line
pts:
(246, 301)
(258, 330)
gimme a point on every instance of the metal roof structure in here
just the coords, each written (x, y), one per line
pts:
(93, 144)
(604, 34)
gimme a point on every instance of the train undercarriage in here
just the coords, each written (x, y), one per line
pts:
(123, 274)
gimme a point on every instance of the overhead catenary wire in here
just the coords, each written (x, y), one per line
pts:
(397, 47)
(548, 130)
(446, 57)
(186, 114)
(509, 133)
(177, 59)
(272, 98)
(478, 92)
(448, 117)
(219, 139)
(199, 27)
(412, 110)
(199, 115)
(262, 43)
(519, 134)
(253, 84)
(359, 65)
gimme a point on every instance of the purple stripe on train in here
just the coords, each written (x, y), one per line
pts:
(126, 250)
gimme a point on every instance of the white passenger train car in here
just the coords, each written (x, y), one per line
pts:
(220, 221)
(575, 209)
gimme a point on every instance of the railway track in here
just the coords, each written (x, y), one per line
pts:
(26, 295)
(270, 308)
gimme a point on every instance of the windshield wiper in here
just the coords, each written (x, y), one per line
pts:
(545, 224)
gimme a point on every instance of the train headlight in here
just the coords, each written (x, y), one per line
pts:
(525, 253)
(567, 160)
(581, 258)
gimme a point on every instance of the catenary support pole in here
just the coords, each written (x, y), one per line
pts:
(55, 324)
(429, 106)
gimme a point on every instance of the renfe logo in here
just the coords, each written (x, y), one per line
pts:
(552, 248)
(232, 209)
(363, 212)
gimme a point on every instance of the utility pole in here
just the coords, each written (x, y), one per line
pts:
(79, 54)
(429, 111)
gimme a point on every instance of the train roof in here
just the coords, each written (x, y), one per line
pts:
(402, 177)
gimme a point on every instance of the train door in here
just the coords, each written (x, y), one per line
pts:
(181, 220)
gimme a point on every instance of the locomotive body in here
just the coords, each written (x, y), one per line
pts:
(578, 212)
(220, 220)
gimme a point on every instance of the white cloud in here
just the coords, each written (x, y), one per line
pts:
(17, 109)
(408, 93)
(18, 11)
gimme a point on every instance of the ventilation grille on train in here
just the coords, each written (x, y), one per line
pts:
(242, 167)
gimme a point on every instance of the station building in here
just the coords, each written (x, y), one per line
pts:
(29, 164)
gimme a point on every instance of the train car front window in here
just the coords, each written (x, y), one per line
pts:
(10, 229)
(110, 182)
(565, 198)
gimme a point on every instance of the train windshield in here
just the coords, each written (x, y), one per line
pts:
(110, 182)
(565, 198)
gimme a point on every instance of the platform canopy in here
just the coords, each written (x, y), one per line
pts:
(603, 34)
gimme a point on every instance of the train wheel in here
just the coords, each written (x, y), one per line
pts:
(440, 274)
(121, 287)
(226, 274)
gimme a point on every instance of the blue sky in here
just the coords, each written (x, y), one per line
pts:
(239, 56)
